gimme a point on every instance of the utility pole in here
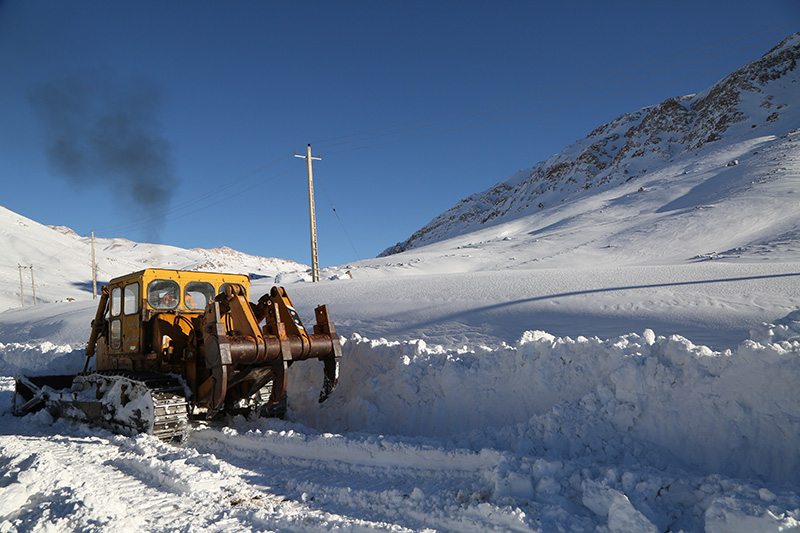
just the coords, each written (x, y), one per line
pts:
(94, 272)
(312, 215)
(33, 286)
(21, 293)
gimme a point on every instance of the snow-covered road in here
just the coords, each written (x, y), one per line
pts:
(261, 475)
(714, 303)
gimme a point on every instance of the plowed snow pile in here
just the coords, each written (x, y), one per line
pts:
(732, 412)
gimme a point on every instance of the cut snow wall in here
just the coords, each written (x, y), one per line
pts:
(734, 412)
(41, 359)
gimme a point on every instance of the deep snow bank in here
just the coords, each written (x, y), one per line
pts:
(732, 412)
(41, 358)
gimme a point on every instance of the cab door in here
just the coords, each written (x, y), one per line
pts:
(131, 325)
(115, 321)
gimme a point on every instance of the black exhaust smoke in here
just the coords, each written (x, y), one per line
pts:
(102, 130)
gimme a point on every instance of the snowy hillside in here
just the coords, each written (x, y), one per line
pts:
(62, 259)
(702, 168)
(625, 360)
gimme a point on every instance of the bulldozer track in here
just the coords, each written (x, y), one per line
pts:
(170, 416)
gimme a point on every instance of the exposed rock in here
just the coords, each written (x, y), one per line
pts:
(65, 230)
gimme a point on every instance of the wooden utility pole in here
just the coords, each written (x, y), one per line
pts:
(94, 272)
(33, 286)
(312, 215)
(21, 293)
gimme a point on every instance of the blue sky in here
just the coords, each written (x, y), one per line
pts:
(175, 122)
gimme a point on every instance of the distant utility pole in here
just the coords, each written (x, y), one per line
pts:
(33, 286)
(312, 215)
(21, 293)
(94, 272)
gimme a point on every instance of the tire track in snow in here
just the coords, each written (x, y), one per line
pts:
(407, 482)
(76, 478)
(91, 475)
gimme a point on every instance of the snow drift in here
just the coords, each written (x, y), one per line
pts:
(731, 412)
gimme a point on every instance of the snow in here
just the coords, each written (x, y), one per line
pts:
(518, 430)
(624, 361)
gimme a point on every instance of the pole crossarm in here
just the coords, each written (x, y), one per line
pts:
(306, 157)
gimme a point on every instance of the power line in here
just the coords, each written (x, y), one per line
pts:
(198, 199)
(152, 222)
(327, 196)
(65, 248)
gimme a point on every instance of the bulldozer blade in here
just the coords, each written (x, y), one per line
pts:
(31, 392)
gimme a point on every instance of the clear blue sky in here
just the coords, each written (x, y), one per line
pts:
(175, 122)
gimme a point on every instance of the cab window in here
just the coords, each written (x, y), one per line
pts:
(116, 334)
(131, 306)
(163, 294)
(197, 294)
(116, 301)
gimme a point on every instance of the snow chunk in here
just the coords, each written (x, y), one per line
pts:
(733, 515)
(12, 498)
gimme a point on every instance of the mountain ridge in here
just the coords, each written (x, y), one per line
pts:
(756, 95)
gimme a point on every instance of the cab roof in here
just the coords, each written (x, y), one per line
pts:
(182, 277)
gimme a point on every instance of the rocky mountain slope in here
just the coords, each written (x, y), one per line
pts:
(758, 101)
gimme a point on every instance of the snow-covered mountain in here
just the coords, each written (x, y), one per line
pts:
(726, 148)
(61, 261)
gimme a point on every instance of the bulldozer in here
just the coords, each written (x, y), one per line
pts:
(170, 346)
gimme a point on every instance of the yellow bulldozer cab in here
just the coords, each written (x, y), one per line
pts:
(138, 297)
